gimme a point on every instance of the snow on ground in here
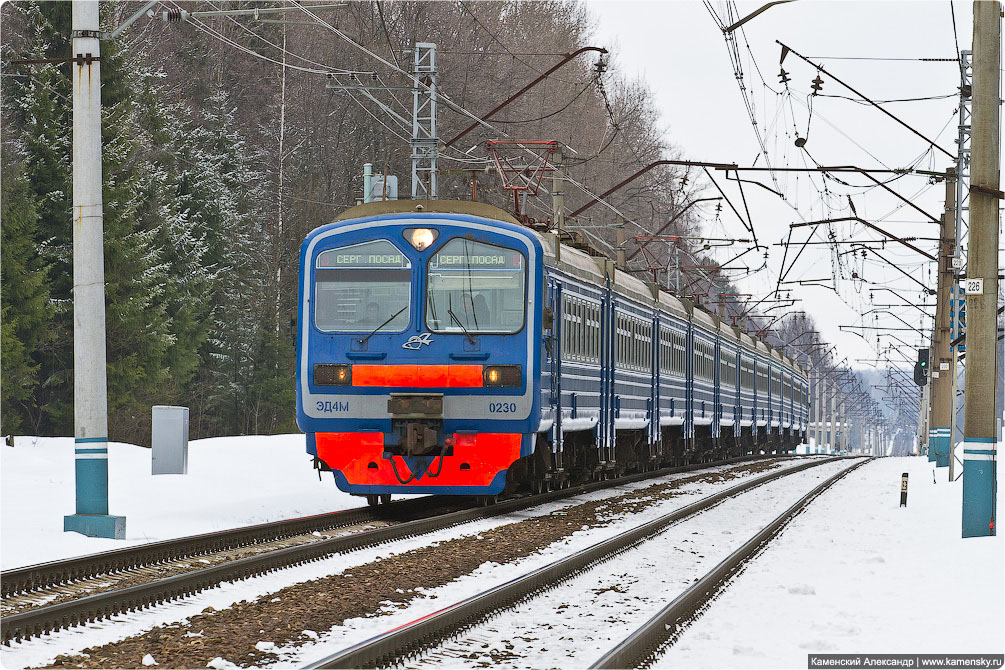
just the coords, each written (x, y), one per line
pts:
(487, 575)
(231, 482)
(856, 573)
(575, 623)
(41, 650)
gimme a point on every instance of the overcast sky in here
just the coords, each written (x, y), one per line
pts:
(678, 49)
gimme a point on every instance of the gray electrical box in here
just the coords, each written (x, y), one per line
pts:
(169, 440)
(377, 191)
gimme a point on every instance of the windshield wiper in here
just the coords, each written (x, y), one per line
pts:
(450, 313)
(392, 318)
(458, 322)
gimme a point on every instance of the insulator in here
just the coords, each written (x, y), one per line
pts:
(783, 77)
(173, 15)
(817, 85)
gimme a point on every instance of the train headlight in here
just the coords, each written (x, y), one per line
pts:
(332, 375)
(502, 375)
(421, 238)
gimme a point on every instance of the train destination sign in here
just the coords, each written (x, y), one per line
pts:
(502, 260)
(354, 258)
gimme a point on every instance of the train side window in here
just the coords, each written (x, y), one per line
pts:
(576, 349)
(565, 327)
(573, 330)
(594, 333)
(620, 341)
(617, 338)
(637, 341)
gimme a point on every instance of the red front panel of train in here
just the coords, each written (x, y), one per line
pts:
(484, 454)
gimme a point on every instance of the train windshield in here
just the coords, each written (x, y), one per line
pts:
(363, 287)
(477, 288)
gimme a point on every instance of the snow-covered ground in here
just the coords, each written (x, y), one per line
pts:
(231, 482)
(856, 573)
(41, 650)
(574, 624)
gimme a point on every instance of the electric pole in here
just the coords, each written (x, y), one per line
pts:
(832, 422)
(982, 278)
(558, 199)
(619, 231)
(425, 143)
(940, 378)
(90, 385)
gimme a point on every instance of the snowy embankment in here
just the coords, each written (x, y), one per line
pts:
(41, 650)
(856, 573)
(231, 482)
(590, 613)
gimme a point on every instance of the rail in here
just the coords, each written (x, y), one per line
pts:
(641, 647)
(56, 616)
(390, 647)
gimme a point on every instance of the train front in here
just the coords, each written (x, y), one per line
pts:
(417, 347)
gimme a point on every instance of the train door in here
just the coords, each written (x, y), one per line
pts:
(555, 397)
(737, 404)
(716, 392)
(689, 386)
(605, 427)
(654, 389)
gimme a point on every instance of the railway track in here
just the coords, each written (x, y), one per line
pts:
(35, 578)
(396, 646)
(62, 594)
(642, 647)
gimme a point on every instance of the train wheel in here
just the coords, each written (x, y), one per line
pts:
(372, 499)
(486, 501)
(385, 498)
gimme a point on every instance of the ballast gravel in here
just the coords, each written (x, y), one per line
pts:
(285, 617)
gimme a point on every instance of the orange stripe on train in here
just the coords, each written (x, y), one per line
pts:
(418, 376)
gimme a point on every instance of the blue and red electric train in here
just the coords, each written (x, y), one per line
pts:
(444, 348)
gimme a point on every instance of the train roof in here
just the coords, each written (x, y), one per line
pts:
(482, 209)
(581, 264)
(578, 263)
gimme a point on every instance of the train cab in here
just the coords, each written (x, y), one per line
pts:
(418, 347)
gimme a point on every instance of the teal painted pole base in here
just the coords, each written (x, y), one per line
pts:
(979, 487)
(931, 445)
(96, 525)
(941, 438)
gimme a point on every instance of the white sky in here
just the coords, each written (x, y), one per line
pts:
(680, 52)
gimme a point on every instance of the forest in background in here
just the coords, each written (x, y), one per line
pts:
(224, 146)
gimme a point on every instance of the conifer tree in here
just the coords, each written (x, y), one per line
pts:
(24, 303)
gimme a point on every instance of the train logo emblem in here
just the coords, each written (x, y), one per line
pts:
(416, 341)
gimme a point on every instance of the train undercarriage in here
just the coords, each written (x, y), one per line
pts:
(581, 460)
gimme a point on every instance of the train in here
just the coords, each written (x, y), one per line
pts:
(444, 348)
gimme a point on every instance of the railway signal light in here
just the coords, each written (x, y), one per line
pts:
(921, 368)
